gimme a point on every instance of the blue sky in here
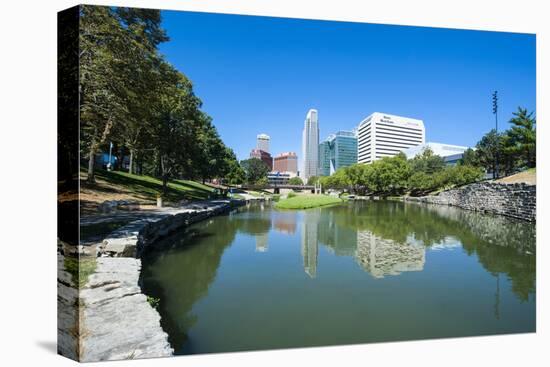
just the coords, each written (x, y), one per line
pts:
(261, 75)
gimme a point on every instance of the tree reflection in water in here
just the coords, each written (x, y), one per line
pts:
(384, 238)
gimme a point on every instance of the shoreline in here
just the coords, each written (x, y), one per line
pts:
(98, 326)
(516, 200)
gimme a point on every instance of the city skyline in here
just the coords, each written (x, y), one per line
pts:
(267, 81)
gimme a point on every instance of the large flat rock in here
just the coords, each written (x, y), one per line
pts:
(118, 322)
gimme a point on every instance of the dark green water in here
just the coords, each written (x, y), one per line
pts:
(360, 272)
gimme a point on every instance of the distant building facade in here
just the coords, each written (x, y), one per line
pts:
(262, 142)
(286, 162)
(383, 135)
(279, 178)
(264, 156)
(310, 145)
(337, 151)
(451, 154)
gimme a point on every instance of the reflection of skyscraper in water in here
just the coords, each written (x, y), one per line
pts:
(338, 239)
(284, 222)
(310, 245)
(382, 257)
(261, 242)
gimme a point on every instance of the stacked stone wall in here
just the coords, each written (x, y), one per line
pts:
(511, 200)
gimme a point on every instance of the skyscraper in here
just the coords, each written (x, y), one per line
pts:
(339, 150)
(382, 135)
(310, 145)
(262, 142)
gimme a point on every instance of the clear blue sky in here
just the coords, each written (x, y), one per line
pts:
(261, 75)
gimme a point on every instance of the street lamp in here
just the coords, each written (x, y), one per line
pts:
(495, 112)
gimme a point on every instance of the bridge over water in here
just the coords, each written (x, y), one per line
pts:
(276, 189)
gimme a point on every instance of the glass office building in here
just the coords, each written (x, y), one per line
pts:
(337, 151)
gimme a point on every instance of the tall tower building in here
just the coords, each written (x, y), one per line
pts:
(310, 145)
(262, 142)
(383, 135)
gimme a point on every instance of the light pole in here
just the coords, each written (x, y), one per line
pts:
(109, 165)
(495, 112)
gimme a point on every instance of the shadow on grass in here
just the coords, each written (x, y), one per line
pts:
(149, 188)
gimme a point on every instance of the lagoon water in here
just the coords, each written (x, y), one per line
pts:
(260, 278)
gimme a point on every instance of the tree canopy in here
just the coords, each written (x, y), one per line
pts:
(132, 97)
(255, 171)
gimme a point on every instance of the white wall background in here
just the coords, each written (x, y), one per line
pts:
(28, 181)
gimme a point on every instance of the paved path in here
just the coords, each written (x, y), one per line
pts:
(144, 214)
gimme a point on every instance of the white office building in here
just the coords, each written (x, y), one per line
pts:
(310, 145)
(383, 135)
(451, 154)
(262, 142)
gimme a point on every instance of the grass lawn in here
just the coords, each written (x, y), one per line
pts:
(528, 176)
(307, 201)
(148, 188)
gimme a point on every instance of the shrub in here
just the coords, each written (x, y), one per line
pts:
(153, 301)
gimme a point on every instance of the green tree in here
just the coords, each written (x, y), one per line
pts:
(295, 181)
(172, 130)
(103, 44)
(421, 183)
(312, 180)
(469, 158)
(488, 148)
(389, 175)
(255, 170)
(427, 162)
(463, 174)
(144, 34)
(234, 174)
(522, 137)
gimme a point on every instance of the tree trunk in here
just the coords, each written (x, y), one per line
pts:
(131, 165)
(91, 177)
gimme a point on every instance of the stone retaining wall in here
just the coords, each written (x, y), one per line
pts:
(135, 238)
(511, 200)
(112, 318)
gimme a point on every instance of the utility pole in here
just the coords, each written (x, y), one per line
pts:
(495, 112)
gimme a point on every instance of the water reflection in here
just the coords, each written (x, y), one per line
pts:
(382, 257)
(261, 242)
(310, 243)
(284, 222)
(268, 252)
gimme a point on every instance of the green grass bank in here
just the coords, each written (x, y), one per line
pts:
(307, 202)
